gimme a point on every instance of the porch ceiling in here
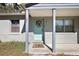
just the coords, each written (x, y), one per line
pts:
(59, 12)
(62, 9)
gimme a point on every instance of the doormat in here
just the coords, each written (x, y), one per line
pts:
(38, 45)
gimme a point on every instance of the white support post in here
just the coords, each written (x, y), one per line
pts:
(27, 32)
(54, 30)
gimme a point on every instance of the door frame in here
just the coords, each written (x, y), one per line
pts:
(43, 38)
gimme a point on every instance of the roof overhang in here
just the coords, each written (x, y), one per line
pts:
(12, 16)
(16, 14)
(54, 5)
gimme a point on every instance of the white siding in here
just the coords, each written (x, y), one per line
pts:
(66, 38)
(12, 37)
(7, 35)
(21, 25)
(5, 26)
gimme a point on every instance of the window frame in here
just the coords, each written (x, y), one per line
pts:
(62, 26)
(64, 30)
(19, 28)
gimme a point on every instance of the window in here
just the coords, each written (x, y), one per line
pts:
(64, 26)
(59, 25)
(68, 25)
(15, 26)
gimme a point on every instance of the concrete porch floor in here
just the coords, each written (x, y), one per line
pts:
(42, 51)
(66, 49)
(62, 50)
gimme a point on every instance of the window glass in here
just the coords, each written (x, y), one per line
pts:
(68, 22)
(15, 26)
(59, 25)
(15, 21)
(64, 25)
(68, 25)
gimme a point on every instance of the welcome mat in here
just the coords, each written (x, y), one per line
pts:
(38, 45)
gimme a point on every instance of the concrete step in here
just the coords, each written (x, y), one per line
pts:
(72, 53)
(40, 51)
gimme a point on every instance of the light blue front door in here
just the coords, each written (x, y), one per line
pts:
(38, 29)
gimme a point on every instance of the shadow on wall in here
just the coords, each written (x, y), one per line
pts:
(30, 26)
(23, 29)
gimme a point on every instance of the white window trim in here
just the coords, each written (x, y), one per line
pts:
(64, 25)
(20, 29)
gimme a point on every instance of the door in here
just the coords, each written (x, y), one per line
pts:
(38, 29)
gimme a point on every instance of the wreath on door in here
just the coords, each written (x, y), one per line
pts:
(38, 23)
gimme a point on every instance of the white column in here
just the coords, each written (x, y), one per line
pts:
(54, 30)
(27, 32)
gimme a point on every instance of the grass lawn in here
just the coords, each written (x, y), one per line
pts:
(12, 49)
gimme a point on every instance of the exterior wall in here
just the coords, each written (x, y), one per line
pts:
(61, 37)
(5, 28)
(48, 31)
(66, 38)
(76, 22)
(7, 35)
(12, 37)
(31, 35)
(5, 24)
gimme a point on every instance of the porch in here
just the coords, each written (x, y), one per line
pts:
(65, 39)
